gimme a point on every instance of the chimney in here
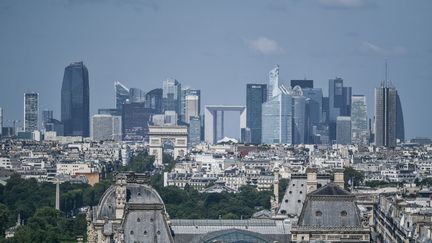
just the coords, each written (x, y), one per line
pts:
(311, 179)
(339, 178)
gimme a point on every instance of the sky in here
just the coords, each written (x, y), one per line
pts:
(218, 47)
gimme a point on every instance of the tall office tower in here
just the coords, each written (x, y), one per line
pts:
(385, 115)
(31, 111)
(135, 121)
(122, 95)
(191, 104)
(171, 96)
(154, 100)
(343, 130)
(303, 83)
(371, 130)
(359, 120)
(106, 127)
(400, 125)
(314, 111)
(299, 116)
(47, 115)
(277, 119)
(325, 110)
(194, 134)
(273, 87)
(136, 95)
(339, 103)
(1, 121)
(75, 100)
(256, 95)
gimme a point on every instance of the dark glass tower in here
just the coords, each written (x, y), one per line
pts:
(339, 103)
(400, 126)
(135, 120)
(154, 100)
(256, 95)
(171, 96)
(385, 115)
(75, 100)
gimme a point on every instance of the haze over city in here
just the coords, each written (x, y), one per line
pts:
(217, 47)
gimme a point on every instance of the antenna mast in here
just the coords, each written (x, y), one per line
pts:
(386, 73)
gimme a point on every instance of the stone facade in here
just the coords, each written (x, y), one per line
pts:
(129, 211)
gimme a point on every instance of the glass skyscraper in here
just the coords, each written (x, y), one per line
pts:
(339, 103)
(256, 95)
(194, 134)
(343, 130)
(273, 87)
(31, 111)
(299, 116)
(314, 111)
(121, 95)
(136, 95)
(171, 96)
(190, 103)
(135, 120)
(47, 115)
(277, 119)
(400, 125)
(385, 115)
(75, 100)
(106, 127)
(359, 120)
(154, 100)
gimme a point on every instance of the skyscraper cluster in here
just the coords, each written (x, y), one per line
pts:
(278, 112)
(298, 113)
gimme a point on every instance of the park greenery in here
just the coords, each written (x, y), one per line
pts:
(34, 202)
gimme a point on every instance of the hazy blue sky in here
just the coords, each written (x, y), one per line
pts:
(218, 47)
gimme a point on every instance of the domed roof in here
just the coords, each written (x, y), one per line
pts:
(137, 193)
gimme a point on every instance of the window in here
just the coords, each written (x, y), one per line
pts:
(318, 213)
(286, 200)
(290, 192)
(343, 213)
(299, 201)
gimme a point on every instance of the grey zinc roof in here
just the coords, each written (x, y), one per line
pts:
(136, 194)
(330, 206)
(106, 208)
(330, 190)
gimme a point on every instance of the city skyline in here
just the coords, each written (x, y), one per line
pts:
(358, 58)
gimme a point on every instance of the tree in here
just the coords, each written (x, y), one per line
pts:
(4, 218)
(351, 174)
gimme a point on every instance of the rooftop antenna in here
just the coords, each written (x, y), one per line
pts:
(386, 73)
